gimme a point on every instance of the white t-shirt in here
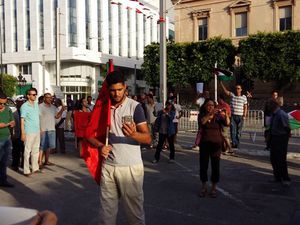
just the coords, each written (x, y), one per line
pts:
(178, 110)
(47, 117)
(63, 116)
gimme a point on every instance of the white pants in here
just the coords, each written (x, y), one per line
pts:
(32, 144)
(125, 183)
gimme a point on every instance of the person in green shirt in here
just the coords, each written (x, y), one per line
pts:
(6, 122)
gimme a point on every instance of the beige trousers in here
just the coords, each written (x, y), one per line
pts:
(32, 144)
(123, 183)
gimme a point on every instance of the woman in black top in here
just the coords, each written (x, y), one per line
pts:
(211, 122)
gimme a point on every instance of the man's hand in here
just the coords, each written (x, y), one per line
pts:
(105, 150)
(44, 218)
(3, 125)
(129, 129)
(11, 124)
(23, 137)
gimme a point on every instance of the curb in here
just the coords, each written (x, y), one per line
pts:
(252, 152)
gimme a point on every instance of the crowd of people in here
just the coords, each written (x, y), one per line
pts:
(138, 122)
(35, 130)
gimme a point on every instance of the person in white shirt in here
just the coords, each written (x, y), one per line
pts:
(60, 127)
(91, 104)
(178, 115)
(48, 114)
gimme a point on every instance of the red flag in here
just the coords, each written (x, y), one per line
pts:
(98, 126)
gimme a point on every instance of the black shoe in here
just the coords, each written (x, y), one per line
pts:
(6, 184)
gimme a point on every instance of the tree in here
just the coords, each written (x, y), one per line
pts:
(188, 63)
(9, 84)
(150, 67)
(272, 56)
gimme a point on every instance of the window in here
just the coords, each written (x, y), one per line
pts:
(202, 29)
(99, 26)
(87, 24)
(41, 24)
(25, 69)
(2, 26)
(72, 24)
(55, 5)
(27, 14)
(285, 18)
(120, 16)
(15, 30)
(109, 28)
(129, 31)
(241, 24)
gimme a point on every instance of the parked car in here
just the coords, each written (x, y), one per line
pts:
(11, 104)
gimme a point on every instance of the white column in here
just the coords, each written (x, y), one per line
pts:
(104, 27)
(21, 26)
(167, 28)
(64, 28)
(37, 81)
(124, 32)
(93, 25)
(147, 32)
(9, 36)
(114, 29)
(34, 25)
(81, 32)
(48, 25)
(132, 33)
(154, 37)
(140, 37)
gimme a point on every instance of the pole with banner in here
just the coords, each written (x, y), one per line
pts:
(216, 83)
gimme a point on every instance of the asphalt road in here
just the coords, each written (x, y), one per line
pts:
(245, 197)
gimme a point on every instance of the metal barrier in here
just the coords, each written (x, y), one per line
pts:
(253, 124)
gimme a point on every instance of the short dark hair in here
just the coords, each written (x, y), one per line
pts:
(115, 77)
(150, 96)
(31, 89)
(3, 96)
(89, 96)
(47, 93)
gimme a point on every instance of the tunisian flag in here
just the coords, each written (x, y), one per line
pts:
(98, 127)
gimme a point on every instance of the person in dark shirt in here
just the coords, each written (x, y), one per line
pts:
(280, 133)
(211, 123)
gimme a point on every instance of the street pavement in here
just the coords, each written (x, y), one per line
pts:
(245, 197)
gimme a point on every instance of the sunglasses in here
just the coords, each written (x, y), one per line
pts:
(32, 94)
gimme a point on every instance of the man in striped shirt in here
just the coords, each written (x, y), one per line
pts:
(238, 105)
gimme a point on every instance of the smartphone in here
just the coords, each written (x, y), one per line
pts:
(127, 119)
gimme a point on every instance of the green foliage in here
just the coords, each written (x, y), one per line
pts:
(9, 84)
(150, 67)
(272, 56)
(188, 63)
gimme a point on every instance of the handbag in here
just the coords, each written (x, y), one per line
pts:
(198, 137)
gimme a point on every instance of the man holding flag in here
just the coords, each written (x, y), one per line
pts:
(122, 168)
(238, 106)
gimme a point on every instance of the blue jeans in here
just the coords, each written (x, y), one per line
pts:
(236, 125)
(5, 146)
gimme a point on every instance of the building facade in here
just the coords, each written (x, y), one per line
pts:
(87, 33)
(197, 20)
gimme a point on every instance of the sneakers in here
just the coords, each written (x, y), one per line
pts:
(195, 148)
(286, 183)
(171, 161)
(154, 161)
